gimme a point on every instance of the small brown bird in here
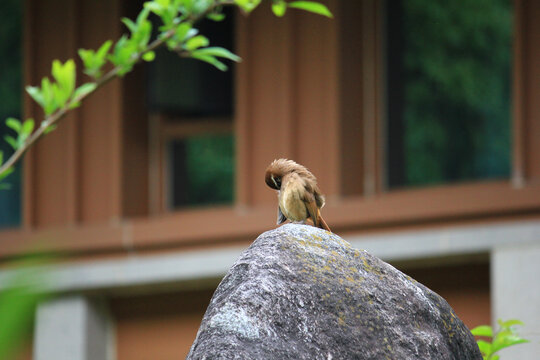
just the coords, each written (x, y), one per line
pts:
(299, 196)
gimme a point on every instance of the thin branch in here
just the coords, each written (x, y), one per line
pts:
(57, 116)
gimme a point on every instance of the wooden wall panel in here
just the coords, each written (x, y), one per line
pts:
(54, 172)
(265, 130)
(287, 99)
(134, 139)
(351, 142)
(316, 105)
(73, 174)
(158, 326)
(99, 119)
(528, 70)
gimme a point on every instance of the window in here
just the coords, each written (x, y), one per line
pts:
(10, 102)
(448, 91)
(191, 105)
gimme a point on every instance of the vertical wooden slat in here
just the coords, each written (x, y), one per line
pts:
(519, 106)
(531, 114)
(264, 119)
(351, 142)
(29, 33)
(317, 101)
(371, 95)
(332, 96)
(54, 165)
(243, 112)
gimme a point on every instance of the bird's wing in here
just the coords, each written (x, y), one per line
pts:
(280, 217)
(311, 207)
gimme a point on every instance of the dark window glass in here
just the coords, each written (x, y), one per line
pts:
(189, 87)
(202, 170)
(191, 92)
(448, 91)
(10, 102)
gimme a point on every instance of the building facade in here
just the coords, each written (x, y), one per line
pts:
(418, 119)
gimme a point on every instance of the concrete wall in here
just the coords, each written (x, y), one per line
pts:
(516, 294)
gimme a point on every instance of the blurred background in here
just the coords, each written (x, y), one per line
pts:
(418, 117)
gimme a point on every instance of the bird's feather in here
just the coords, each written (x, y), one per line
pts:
(280, 217)
(312, 210)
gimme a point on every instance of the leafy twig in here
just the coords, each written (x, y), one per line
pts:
(59, 96)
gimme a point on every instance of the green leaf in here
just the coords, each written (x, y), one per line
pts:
(508, 323)
(196, 42)
(149, 56)
(1, 157)
(36, 94)
(218, 52)
(50, 128)
(504, 340)
(13, 124)
(247, 5)
(482, 330)
(60, 95)
(103, 50)
(484, 347)
(154, 7)
(87, 57)
(11, 141)
(311, 6)
(216, 16)
(64, 74)
(211, 60)
(6, 173)
(279, 7)
(18, 300)
(84, 89)
(28, 126)
(47, 90)
(130, 25)
(182, 31)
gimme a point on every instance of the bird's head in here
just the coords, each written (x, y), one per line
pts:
(277, 170)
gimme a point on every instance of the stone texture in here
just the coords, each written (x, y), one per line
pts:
(299, 292)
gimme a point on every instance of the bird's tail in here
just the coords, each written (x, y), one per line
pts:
(322, 224)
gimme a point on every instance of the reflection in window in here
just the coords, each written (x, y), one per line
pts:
(448, 91)
(208, 161)
(10, 102)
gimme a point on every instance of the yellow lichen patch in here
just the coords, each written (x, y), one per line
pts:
(348, 290)
(317, 238)
(341, 318)
(367, 266)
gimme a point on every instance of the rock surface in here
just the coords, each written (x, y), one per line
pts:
(299, 292)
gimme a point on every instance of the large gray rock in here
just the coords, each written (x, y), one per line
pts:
(299, 292)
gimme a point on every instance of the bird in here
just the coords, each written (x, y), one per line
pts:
(299, 197)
